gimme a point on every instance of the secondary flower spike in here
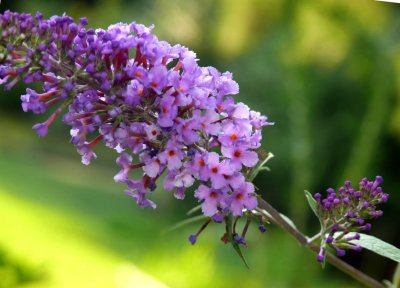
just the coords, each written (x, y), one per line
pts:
(347, 211)
(159, 109)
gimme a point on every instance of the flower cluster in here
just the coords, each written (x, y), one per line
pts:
(159, 109)
(346, 211)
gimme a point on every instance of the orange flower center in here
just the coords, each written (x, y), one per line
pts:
(234, 136)
(213, 195)
(214, 170)
(239, 197)
(237, 153)
(171, 153)
(201, 163)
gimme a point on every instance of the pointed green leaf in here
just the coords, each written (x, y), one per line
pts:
(260, 166)
(266, 159)
(232, 240)
(239, 252)
(194, 209)
(396, 277)
(311, 201)
(378, 246)
(288, 220)
(185, 222)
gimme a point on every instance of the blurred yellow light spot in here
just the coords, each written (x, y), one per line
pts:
(46, 238)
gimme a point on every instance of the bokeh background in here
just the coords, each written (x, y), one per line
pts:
(326, 72)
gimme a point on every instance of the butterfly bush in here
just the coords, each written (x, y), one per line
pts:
(164, 115)
(148, 100)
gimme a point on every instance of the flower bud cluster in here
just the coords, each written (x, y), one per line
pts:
(347, 210)
(159, 109)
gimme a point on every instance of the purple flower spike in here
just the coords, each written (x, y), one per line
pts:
(159, 110)
(347, 211)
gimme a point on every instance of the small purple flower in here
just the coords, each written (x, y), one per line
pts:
(198, 166)
(217, 170)
(233, 134)
(152, 132)
(172, 156)
(87, 153)
(192, 239)
(157, 77)
(168, 111)
(41, 129)
(240, 156)
(186, 129)
(125, 161)
(243, 198)
(321, 255)
(262, 228)
(152, 166)
(184, 179)
(211, 197)
(208, 122)
(218, 217)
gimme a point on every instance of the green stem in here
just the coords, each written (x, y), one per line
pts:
(275, 217)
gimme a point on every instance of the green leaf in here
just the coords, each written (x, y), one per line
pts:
(311, 201)
(232, 240)
(185, 222)
(378, 246)
(239, 252)
(288, 220)
(260, 166)
(396, 277)
(194, 209)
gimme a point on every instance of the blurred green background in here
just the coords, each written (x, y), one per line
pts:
(327, 72)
